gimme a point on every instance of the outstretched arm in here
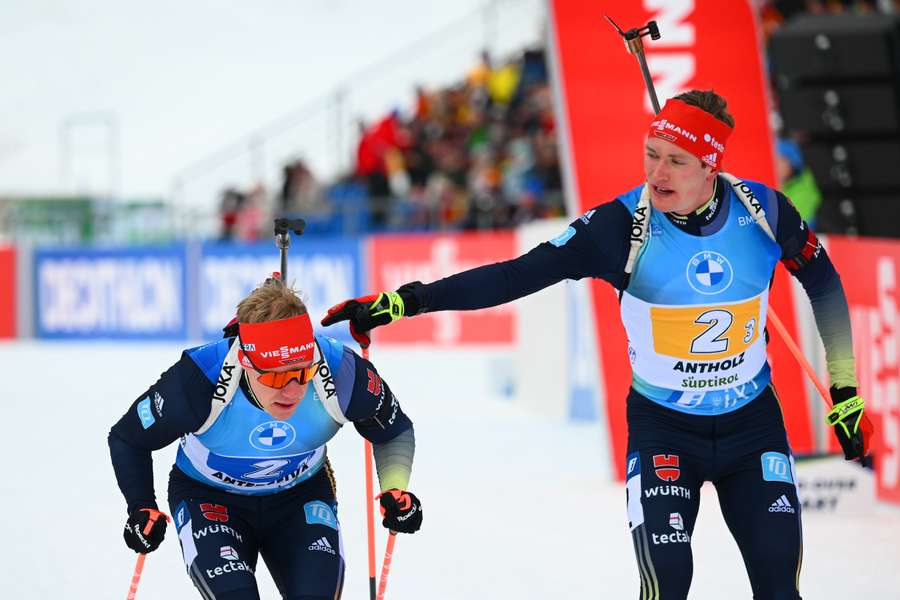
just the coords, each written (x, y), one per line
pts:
(594, 245)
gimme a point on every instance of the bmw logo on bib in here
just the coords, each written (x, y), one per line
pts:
(273, 435)
(709, 272)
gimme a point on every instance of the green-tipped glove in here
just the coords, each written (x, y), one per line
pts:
(851, 424)
(368, 312)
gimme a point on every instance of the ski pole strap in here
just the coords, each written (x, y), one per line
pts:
(154, 517)
(847, 408)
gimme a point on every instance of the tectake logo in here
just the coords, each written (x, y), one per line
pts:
(273, 435)
(676, 522)
(679, 537)
(228, 553)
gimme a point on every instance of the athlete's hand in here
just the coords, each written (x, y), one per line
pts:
(851, 424)
(145, 530)
(368, 312)
(401, 510)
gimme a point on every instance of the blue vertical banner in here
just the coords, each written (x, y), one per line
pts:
(111, 293)
(323, 271)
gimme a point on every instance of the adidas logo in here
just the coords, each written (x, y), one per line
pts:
(710, 158)
(322, 545)
(782, 505)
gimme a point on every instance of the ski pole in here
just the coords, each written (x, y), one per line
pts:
(370, 506)
(798, 354)
(386, 565)
(139, 565)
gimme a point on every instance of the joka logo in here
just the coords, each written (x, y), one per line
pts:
(228, 553)
(214, 512)
(273, 435)
(666, 466)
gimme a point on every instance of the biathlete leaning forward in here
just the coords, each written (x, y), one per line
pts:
(253, 414)
(694, 293)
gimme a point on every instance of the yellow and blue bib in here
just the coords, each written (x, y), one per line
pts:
(695, 310)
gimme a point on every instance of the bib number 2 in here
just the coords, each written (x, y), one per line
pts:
(711, 341)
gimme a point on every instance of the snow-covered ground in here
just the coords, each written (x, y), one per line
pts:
(515, 506)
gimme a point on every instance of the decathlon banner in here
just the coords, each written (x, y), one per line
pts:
(8, 292)
(604, 114)
(323, 271)
(120, 293)
(397, 259)
(870, 272)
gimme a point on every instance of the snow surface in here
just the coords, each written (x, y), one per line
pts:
(515, 506)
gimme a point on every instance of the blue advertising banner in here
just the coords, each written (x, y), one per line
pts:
(324, 271)
(116, 293)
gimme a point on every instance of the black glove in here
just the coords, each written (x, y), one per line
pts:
(145, 530)
(401, 510)
(851, 424)
(368, 312)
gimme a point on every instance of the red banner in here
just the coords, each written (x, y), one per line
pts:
(605, 116)
(395, 260)
(7, 292)
(870, 271)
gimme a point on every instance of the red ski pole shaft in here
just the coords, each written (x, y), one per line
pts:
(386, 565)
(798, 355)
(139, 565)
(370, 507)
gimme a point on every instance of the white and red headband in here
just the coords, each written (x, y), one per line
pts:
(274, 344)
(692, 129)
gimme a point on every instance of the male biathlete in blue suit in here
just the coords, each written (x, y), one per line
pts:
(253, 414)
(692, 252)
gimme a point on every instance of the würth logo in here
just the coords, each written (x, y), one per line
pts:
(666, 466)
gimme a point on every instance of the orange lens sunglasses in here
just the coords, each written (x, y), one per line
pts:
(280, 379)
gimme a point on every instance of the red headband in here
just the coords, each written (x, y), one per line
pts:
(274, 344)
(692, 129)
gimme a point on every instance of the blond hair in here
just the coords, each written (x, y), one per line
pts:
(271, 301)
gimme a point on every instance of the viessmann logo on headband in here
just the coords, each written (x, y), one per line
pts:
(278, 343)
(664, 126)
